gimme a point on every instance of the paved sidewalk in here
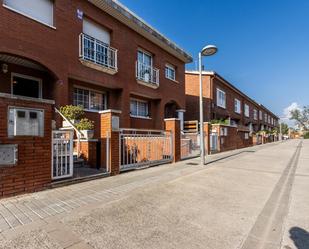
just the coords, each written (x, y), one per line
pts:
(212, 206)
(18, 211)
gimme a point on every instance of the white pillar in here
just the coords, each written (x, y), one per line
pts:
(180, 115)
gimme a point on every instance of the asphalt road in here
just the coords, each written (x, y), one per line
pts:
(258, 198)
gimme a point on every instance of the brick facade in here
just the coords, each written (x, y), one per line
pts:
(56, 52)
(212, 82)
(33, 169)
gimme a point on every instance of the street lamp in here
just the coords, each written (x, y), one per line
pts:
(206, 51)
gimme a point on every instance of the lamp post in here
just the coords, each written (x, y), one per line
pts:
(206, 51)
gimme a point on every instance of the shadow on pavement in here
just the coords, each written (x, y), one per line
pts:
(300, 237)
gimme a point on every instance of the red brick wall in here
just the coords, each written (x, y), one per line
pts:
(33, 169)
(88, 150)
(211, 110)
(58, 50)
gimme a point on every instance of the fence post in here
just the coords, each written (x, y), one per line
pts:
(173, 125)
(207, 137)
(110, 152)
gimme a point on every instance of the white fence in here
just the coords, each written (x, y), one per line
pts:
(62, 154)
(213, 141)
(142, 148)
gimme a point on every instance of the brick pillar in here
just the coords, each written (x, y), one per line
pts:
(173, 125)
(110, 131)
(207, 137)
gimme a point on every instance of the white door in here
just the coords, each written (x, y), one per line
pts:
(62, 154)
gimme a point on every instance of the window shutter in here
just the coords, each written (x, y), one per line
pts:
(41, 10)
(96, 31)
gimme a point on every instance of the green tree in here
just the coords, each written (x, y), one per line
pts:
(301, 117)
(284, 129)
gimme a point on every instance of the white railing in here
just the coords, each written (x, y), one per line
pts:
(142, 148)
(98, 52)
(62, 154)
(147, 73)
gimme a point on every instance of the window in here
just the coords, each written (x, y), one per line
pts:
(237, 107)
(255, 114)
(170, 72)
(268, 119)
(221, 99)
(25, 122)
(96, 31)
(90, 100)
(144, 58)
(247, 111)
(260, 115)
(27, 86)
(39, 10)
(139, 108)
(223, 131)
(246, 135)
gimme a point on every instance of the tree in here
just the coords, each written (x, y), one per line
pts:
(301, 117)
(284, 129)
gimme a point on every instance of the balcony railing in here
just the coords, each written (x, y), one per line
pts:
(147, 74)
(97, 52)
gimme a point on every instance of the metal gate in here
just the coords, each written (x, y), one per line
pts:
(142, 148)
(62, 154)
(213, 141)
(190, 145)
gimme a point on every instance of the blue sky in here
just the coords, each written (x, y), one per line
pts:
(263, 44)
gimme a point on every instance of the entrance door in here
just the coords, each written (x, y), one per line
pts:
(62, 154)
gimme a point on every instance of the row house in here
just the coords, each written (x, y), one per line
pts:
(97, 54)
(223, 101)
(93, 53)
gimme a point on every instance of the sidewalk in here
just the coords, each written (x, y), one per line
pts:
(39, 207)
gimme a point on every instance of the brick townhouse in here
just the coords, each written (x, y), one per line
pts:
(95, 53)
(223, 101)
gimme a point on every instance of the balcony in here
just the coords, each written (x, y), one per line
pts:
(97, 54)
(147, 75)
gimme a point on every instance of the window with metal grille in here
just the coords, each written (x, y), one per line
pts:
(170, 72)
(90, 100)
(139, 108)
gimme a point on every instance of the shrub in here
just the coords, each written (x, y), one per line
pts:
(306, 136)
(72, 112)
(219, 121)
(85, 124)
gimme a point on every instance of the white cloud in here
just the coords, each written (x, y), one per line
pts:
(287, 113)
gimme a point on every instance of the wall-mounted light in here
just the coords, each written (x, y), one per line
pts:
(5, 68)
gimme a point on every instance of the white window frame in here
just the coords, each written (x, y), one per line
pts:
(247, 111)
(246, 135)
(237, 106)
(31, 17)
(144, 52)
(255, 114)
(260, 115)
(140, 101)
(223, 104)
(28, 77)
(89, 99)
(265, 117)
(170, 67)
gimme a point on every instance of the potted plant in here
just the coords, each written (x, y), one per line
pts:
(72, 113)
(85, 126)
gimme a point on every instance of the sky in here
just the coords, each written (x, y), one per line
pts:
(263, 44)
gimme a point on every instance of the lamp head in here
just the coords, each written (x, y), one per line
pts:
(209, 50)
